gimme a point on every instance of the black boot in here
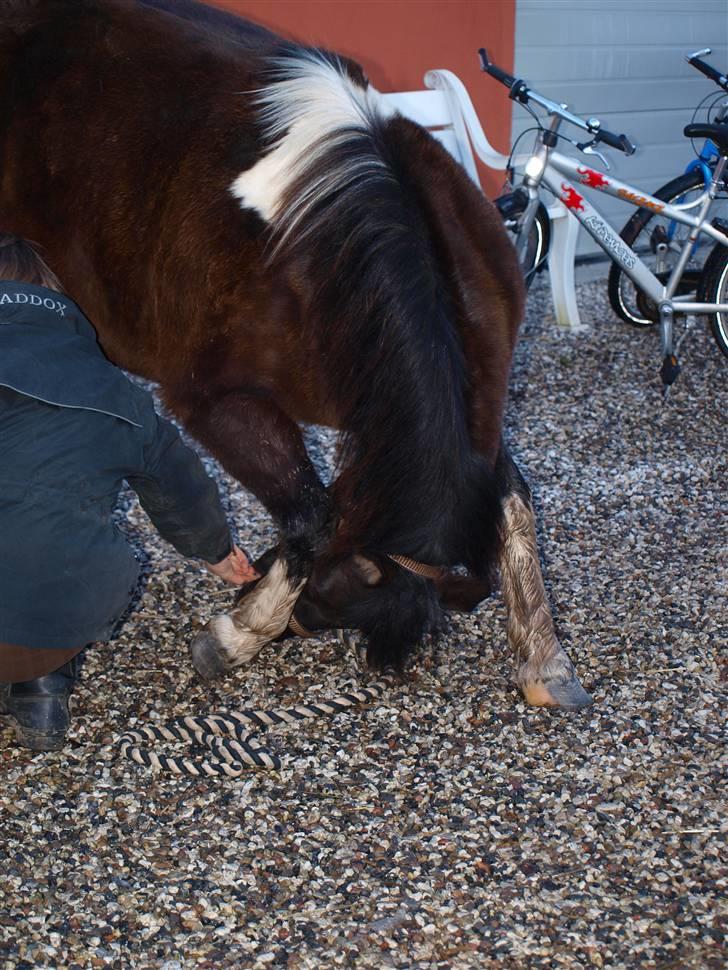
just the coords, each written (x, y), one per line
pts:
(39, 708)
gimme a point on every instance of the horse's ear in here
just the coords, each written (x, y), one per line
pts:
(367, 570)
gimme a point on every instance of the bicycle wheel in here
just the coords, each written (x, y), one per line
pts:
(714, 289)
(511, 207)
(646, 233)
(537, 248)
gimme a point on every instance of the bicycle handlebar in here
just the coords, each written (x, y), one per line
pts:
(621, 142)
(519, 91)
(490, 68)
(710, 72)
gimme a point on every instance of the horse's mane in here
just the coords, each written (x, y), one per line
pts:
(336, 191)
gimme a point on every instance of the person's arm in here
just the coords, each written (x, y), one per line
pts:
(184, 504)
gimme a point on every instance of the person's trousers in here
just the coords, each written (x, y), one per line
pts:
(18, 664)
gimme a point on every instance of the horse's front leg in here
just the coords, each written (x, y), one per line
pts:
(544, 672)
(261, 447)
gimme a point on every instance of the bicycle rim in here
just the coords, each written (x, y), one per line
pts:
(714, 289)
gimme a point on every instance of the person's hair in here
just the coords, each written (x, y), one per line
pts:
(21, 262)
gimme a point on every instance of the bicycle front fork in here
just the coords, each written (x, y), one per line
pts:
(670, 366)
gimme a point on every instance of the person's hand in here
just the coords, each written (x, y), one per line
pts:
(234, 568)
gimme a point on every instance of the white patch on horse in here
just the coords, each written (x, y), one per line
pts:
(313, 109)
(261, 616)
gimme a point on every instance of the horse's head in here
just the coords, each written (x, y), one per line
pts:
(392, 606)
(394, 601)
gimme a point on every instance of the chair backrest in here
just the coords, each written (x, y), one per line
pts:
(433, 111)
(446, 110)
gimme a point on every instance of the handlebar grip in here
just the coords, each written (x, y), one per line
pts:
(720, 79)
(620, 142)
(490, 68)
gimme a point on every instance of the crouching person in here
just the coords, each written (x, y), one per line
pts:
(72, 429)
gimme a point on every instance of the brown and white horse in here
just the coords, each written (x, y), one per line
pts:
(248, 224)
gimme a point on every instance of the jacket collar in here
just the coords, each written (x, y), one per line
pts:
(37, 305)
(50, 353)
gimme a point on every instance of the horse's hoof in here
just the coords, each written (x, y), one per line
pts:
(566, 694)
(208, 658)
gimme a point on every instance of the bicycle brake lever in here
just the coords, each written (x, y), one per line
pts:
(588, 148)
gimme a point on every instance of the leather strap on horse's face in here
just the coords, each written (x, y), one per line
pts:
(419, 568)
(298, 628)
(411, 565)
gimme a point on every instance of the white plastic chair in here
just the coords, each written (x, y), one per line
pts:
(447, 111)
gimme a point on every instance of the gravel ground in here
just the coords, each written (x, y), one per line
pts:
(446, 825)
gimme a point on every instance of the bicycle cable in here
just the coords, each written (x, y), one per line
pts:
(509, 164)
(539, 127)
(718, 97)
(510, 171)
(536, 267)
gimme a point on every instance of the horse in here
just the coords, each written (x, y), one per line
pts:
(252, 227)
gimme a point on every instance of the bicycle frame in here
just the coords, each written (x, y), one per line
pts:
(558, 169)
(546, 166)
(709, 154)
(705, 162)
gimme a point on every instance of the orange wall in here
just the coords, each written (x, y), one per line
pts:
(398, 40)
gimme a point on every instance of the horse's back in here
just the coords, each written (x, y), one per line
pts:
(128, 128)
(216, 22)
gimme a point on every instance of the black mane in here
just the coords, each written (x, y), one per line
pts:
(409, 468)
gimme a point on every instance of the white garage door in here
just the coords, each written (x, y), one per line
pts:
(623, 62)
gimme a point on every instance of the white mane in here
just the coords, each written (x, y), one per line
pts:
(315, 107)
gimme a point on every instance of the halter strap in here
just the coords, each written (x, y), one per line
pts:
(298, 628)
(418, 568)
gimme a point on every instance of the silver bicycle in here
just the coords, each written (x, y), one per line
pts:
(567, 179)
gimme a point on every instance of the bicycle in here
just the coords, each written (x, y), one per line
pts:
(548, 168)
(658, 239)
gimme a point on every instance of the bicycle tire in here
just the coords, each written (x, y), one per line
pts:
(714, 289)
(537, 249)
(641, 312)
(539, 245)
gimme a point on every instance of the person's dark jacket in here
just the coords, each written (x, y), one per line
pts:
(72, 429)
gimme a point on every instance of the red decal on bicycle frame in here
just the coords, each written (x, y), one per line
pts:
(595, 180)
(571, 198)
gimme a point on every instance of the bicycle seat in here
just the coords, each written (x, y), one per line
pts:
(716, 133)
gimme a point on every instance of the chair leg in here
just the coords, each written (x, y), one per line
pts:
(564, 234)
